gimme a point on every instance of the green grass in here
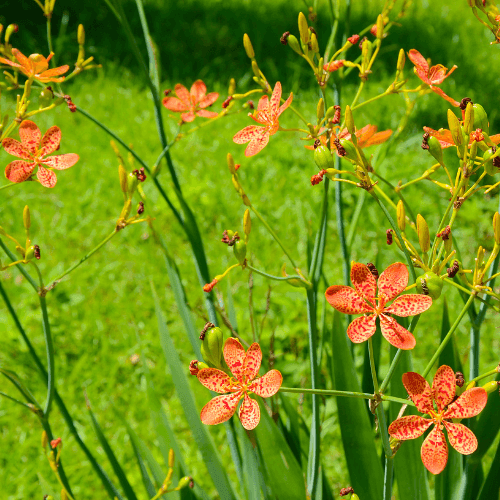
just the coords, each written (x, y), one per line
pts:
(100, 311)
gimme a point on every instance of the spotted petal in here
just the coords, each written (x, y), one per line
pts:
(46, 177)
(50, 140)
(50, 73)
(461, 438)
(363, 281)
(220, 409)
(263, 104)
(19, 171)
(443, 387)
(249, 413)
(362, 328)
(207, 114)
(183, 94)
(215, 380)
(268, 385)
(377, 138)
(188, 117)
(247, 134)
(409, 427)
(174, 104)
(393, 281)
(434, 451)
(257, 144)
(208, 100)
(234, 355)
(198, 90)
(419, 391)
(251, 363)
(286, 104)
(30, 135)
(274, 103)
(418, 60)
(409, 305)
(444, 96)
(395, 334)
(61, 162)
(468, 404)
(22, 59)
(10, 63)
(346, 300)
(15, 148)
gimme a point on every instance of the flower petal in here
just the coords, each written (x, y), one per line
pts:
(444, 96)
(19, 171)
(249, 413)
(257, 144)
(53, 72)
(46, 177)
(251, 363)
(285, 104)
(274, 103)
(346, 300)
(247, 134)
(434, 451)
(418, 60)
(363, 281)
(409, 305)
(198, 91)
(409, 427)
(263, 104)
(393, 280)
(468, 404)
(461, 438)
(214, 379)
(443, 387)
(208, 100)
(362, 328)
(268, 385)
(174, 104)
(61, 162)
(30, 135)
(10, 63)
(188, 117)
(183, 94)
(22, 59)
(495, 138)
(395, 334)
(377, 138)
(234, 355)
(50, 140)
(442, 135)
(220, 409)
(38, 63)
(419, 391)
(15, 148)
(207, 114)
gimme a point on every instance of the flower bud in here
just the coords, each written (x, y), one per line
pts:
(255, 68)
(455, 129)
(81, 35)
(473, 150)
(247, 222)
(132, 182)
(489, 166)
(232, 87)
(320, 109)
(294, 44)
(496, 227)
(401, 215)
(349, 121)
(26, 217)
(11, 28)
(230, 163)
(480, 118)
(240, 251)
(323, 158)
(366, 52)
(248, 46)
(423, 234)
(64, 495)
(45, 439)
(183, 483)
(171, 458)
(211, 348)
(350, 149)
(430, 284)
(435, 149)
(490, 386)
(469, 118)
(314, 45)
(303, 29)
(122, 173)
(380, 26)
(401, 61)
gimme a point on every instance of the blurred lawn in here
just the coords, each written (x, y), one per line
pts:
(102, 315)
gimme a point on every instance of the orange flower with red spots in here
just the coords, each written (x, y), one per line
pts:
(244, 367)
(36, 66)
(363, 299)
(192, 103)
(267, 114)
(32, 149)
(434, 451)
(446, 139)
(431, 76)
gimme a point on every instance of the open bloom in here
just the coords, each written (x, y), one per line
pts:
(446, 140)
(363, 299)
(431, 76)
(434, 450)
(32, 149)
(193, 102)
(36, 66)
(244, 368)
(267, 114)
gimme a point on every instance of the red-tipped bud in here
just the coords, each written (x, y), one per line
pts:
(316, 179)
(354, 39)
(140, 174)
(237, 166)
(373, 30)
(225, 104)
(55, 443)
(477, 135)
(445, 233)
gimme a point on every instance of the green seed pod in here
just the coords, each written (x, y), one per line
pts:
(350, 149)
(435, 149)
(45, 99)
(211, 348)
(303, 29)
(430, 284)
(293, 43)
(349, 121)
(323, 158)
(240, 251)
(30, 254)
(480, 118)
(248, 46)
(423, 234)
(183, 483)
(489, 168)
(469, 118)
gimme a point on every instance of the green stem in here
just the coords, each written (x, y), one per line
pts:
(8, 185)
(355, 218)
(50, 356)
(448, 336)
(372, 366)
(484, 375)
(389, 471)
(21, 268)
(275, 278)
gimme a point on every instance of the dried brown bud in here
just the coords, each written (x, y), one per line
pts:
(167, 91)
(229, 241)
(360, 45)
(193, 367)
(372, 269)
(316, 179)
(250, 105)
(354, 39)
(477, 135)
(141, 176)
(459, 379)
(36, 252)
(453, 270)
(445, 233)
(336, 116)
(345, 491)
(284, 37)
(206, 328)
(425, 139)
(464, 102)
(225, 104)
(389, 236)
(340, 149)
(140, 208)
(317, 143)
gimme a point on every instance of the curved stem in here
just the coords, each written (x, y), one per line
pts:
(8, 185)
(275, 278)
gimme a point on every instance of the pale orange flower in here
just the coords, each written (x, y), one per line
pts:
(445, 138)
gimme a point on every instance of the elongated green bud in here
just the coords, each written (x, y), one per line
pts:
(423, 234)
(320, 109)
(211, 348)
(247, 222)
(230, 163)
(26, 217)
(255, 69)
(435, 149)
(496, 227)
(132, 182)
(293, 43)
(248, 46)
(400, 210)
(122, 173)
(303, 29)
(240, 251)
(480, 118)
(232, 87)
(314, 45)
(366, 52)
(380, 27)
(81, 34)
(455, 129)
(469, 118)
(473, 150)
(171, 458)
(349, 121)
(323, 158)
(401, 61)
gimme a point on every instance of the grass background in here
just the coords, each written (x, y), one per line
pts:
(103, 314)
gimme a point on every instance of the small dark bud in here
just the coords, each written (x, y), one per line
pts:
(36, 252)
(140, 208)
(340, 149)
(70, 103)
(317, 143)
(453, 270)
(141, 176)
(345, 491)
(205, 328)
(459, 379)
(445, 233)
(312, 30)
(362, 41)
(464, 102)
(250, 104)
(229, 241)
(372, 269)
(166, 92)
(284, 38)
(225, 104)
(389, 236)
(191, 483)
(425, 139)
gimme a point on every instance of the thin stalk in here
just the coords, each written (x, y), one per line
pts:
(448, 336)
(372, 366)
(275, 278)
(355, 218)
(50, 356)
(388, 473)
(8, 185)
(21, 268)
(484, 375)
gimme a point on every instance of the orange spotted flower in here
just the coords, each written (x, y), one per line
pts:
(267, 114)
(434, 451)
(363, 299)
(36, 66)
(192, 103)
(433, 76)
(32, 149)
(446, 139)
(244, 368)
